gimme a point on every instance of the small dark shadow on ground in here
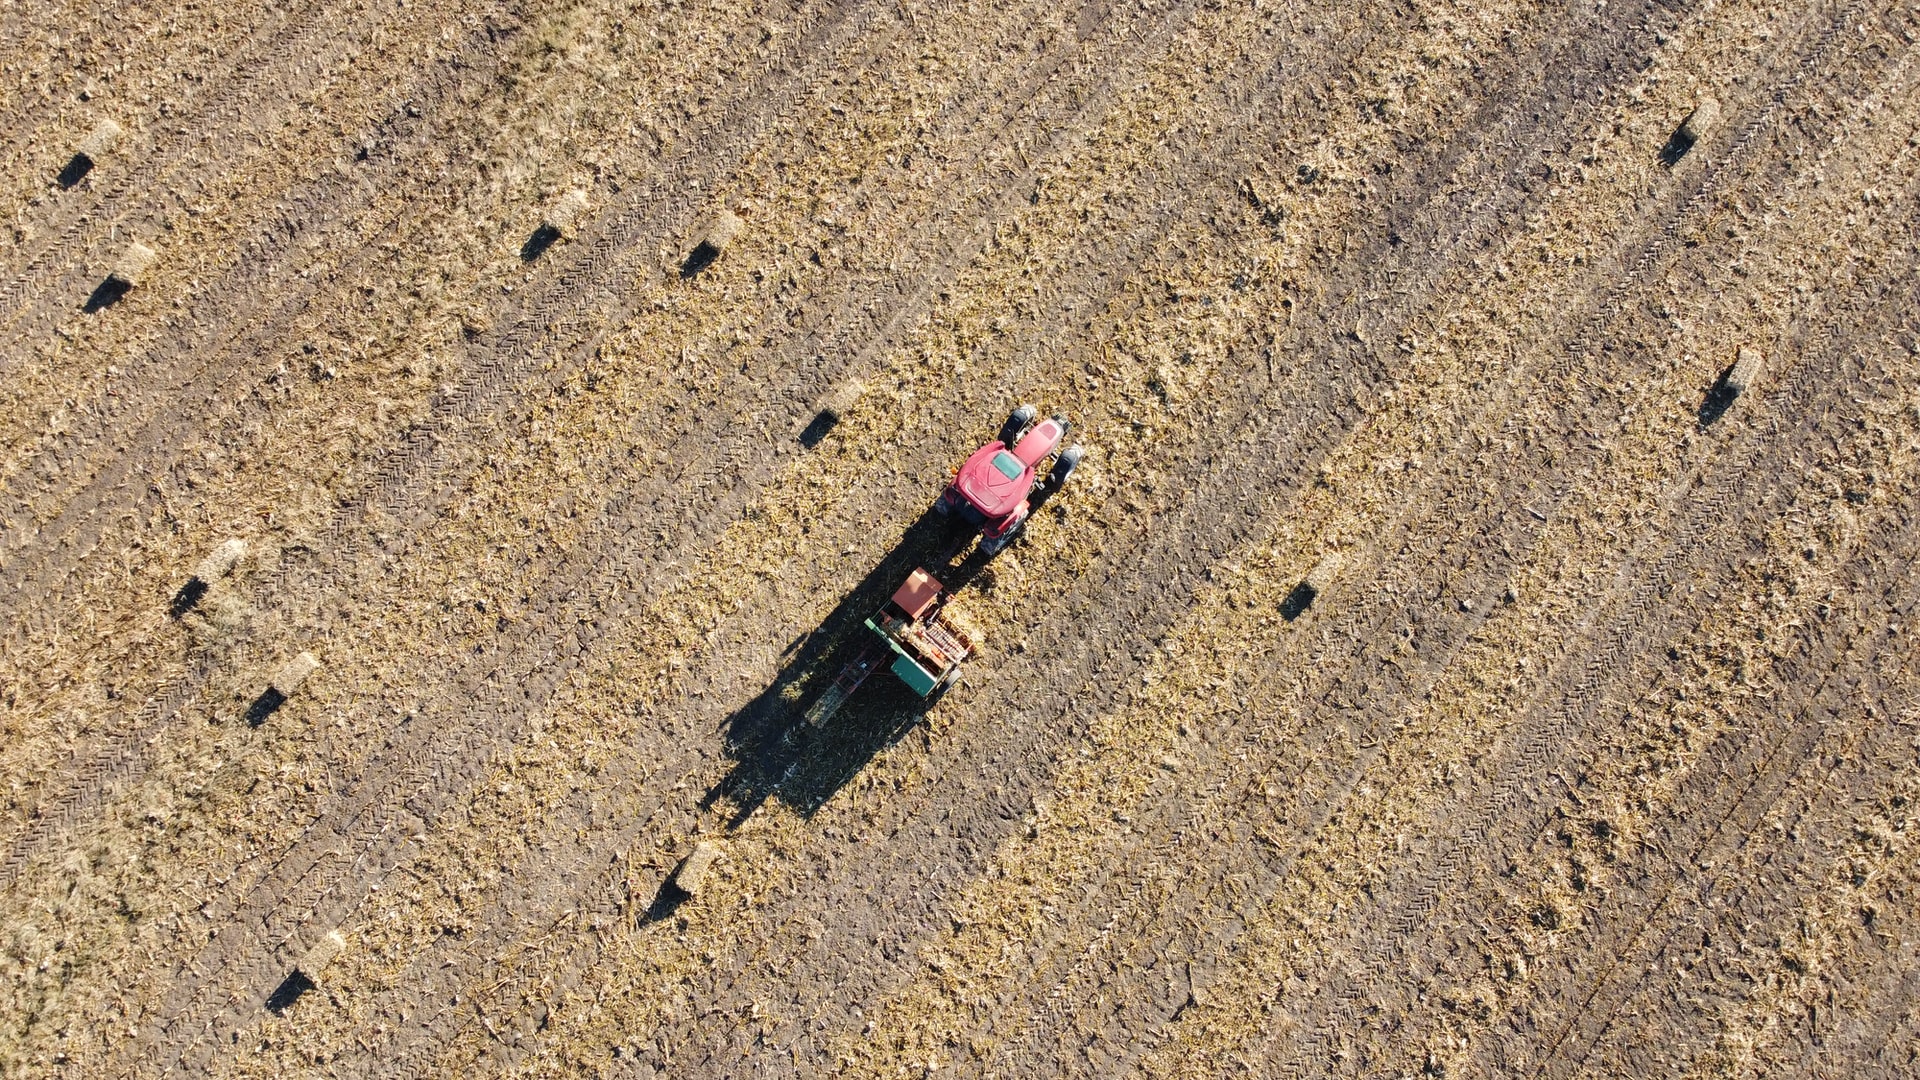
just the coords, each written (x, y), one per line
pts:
(76, 171)
(288, 992)
(264, 706)
(1718, 400)
(187, 597)
(537, 244)
(665, 903)
(1297, 601)
(1676, 148)
(698, 259)
(775, 752)
(105, 295)
(825, 421)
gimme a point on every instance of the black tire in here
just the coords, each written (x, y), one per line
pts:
(1064, 465)
(1017, 423)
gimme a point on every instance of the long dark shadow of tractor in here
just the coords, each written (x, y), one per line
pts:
(775, 751)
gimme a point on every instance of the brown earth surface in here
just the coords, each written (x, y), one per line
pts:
(1595, 752)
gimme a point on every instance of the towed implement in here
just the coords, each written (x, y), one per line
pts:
(925, 641)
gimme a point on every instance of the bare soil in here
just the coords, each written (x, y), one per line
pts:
(1436, 668)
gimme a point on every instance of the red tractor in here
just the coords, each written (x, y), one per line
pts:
(991, 490)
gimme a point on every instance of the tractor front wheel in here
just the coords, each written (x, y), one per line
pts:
(1017, 422)
(1064, 465)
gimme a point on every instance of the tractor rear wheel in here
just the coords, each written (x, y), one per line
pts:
(1064, 465)
(1017, 422)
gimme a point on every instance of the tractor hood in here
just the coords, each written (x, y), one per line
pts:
(994, 481)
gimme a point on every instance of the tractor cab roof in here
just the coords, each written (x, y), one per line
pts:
(994, 481)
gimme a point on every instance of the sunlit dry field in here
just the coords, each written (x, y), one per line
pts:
(1592, 750)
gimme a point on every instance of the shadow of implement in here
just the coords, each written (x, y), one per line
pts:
(538, 242)
(775, 752)
(106, 294)
(76, 170)
(665, 903)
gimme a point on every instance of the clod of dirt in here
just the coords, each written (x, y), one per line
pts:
(721, 231)
(559, 221)
(293, 673)
(1745, 371)
(91, 151)
(130, 270)
(691, 875)
(100, 141)
(1702, 120)
(565, 213)
(221, 560)
(281, 687)
(324, 952)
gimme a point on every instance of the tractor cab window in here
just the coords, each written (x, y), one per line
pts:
(1008, 465)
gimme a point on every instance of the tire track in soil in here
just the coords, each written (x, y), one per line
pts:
(1543, 745)
(568, 587)
(1748, 775)
(1425, 566)
(1842, 346)
(1386, 681)
(1750, 771)
(288, 53)
(190, 368)
(118, 760)
(1744, 770)
(1756, 907)
(29, 119)
(557, 875)
(126, 757)
(1591, 688)
(1883, 1022)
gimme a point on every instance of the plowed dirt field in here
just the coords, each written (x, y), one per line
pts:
(1592, 750)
